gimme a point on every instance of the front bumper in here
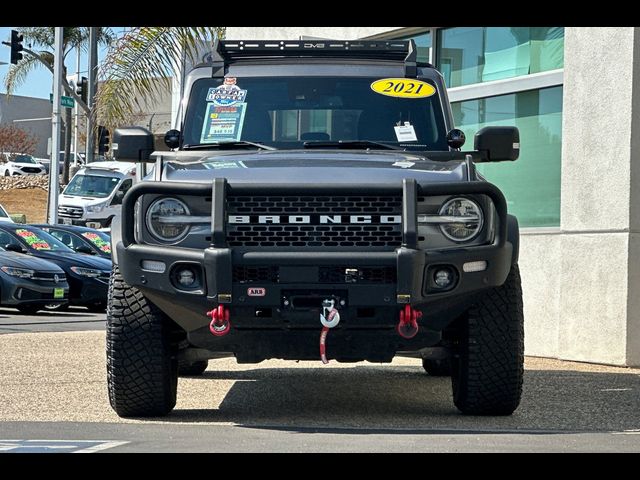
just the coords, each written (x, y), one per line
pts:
(366, 306)
(20, 291)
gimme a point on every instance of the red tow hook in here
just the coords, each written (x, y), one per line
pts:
(408, 324)
(220, 324)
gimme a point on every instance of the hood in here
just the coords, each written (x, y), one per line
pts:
(312, 166)
(20, 260)
(78, 201)
(76, 259)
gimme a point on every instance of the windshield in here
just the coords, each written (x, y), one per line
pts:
(24, 159)
(101, 240)
(91, 186)
(38, 240)
(286, 112)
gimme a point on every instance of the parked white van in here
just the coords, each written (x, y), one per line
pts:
(94, 195)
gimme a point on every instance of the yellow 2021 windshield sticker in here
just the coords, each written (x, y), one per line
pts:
(403, 88)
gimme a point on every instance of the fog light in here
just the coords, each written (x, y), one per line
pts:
(153, 266)
(186, 277)
(443, 278)
(479, 266)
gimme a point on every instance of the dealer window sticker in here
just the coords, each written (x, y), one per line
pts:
(97, 241)
(33, 240)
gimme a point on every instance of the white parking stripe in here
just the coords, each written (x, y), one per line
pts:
(102, 446)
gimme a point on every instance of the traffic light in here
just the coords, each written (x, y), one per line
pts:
(16, 47)
(82, 87)
(103, 140)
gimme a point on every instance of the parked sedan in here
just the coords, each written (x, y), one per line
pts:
(29, 283)
(88, 275)
(81, 239)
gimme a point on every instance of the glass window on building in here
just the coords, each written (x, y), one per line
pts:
(423, 45)
(467, 55)
(531, 184)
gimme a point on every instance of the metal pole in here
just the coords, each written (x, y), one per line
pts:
(54, 179)
(92, 80)
(76, 126)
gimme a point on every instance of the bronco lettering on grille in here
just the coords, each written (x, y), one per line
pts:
(314, 219)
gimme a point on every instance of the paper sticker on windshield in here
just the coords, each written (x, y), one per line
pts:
(33, 240)
(226, 94)
(97, 241)
(223, 124)
(405, 133)
(403, 88)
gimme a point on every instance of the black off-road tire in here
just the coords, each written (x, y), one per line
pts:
(488, 368)
(142, 370)
(437, 368)
(194, 369)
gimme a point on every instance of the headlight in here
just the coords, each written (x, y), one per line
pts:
(86, 272)
(95, 208)
(18, 272)
(164, 219)
(470, 223)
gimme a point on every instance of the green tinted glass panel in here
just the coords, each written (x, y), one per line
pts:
(469, 55)
(423, 44)
(531, 184)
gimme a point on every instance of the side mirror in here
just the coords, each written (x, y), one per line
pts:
(172, 138)
(117, 198)
(132, 144)
(456, 138)
(498, 144)
(14, 247)
(84, 249)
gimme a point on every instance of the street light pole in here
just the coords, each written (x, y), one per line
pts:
(54, 179)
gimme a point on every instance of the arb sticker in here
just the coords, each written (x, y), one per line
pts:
(403, 88)
(256, 292)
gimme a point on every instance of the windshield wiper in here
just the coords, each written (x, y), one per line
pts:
(350, 144)
(231, 143)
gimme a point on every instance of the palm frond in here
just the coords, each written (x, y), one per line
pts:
(17, 74)
(139, 67)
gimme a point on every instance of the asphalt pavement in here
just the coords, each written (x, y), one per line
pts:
(53, 398)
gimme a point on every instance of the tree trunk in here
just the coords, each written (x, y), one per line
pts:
(67, 145)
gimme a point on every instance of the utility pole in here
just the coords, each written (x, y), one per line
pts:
(76, 129)
(54, 179)
(93, 84)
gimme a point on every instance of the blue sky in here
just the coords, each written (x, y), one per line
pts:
(39, 82)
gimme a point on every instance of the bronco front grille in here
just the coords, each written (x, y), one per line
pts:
(377, 233)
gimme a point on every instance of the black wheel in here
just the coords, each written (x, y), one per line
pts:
(488, 368)
(142, 370)
(437, 368)
(192, 369)
(57, 307)
(29, 309)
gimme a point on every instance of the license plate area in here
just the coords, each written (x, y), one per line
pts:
(67, 221)
(58, 293)
(311, 300)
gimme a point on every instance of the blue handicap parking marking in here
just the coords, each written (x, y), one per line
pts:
(56, 446)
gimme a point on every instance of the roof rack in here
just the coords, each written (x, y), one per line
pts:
(399, 50)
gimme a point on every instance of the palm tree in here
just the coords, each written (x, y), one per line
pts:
(140, 64)
(39, 52)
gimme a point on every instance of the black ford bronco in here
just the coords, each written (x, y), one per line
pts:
(316, 204)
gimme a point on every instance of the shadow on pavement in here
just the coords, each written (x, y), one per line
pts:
(404, 399)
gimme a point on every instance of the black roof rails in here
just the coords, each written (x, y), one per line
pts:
(400, 50)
